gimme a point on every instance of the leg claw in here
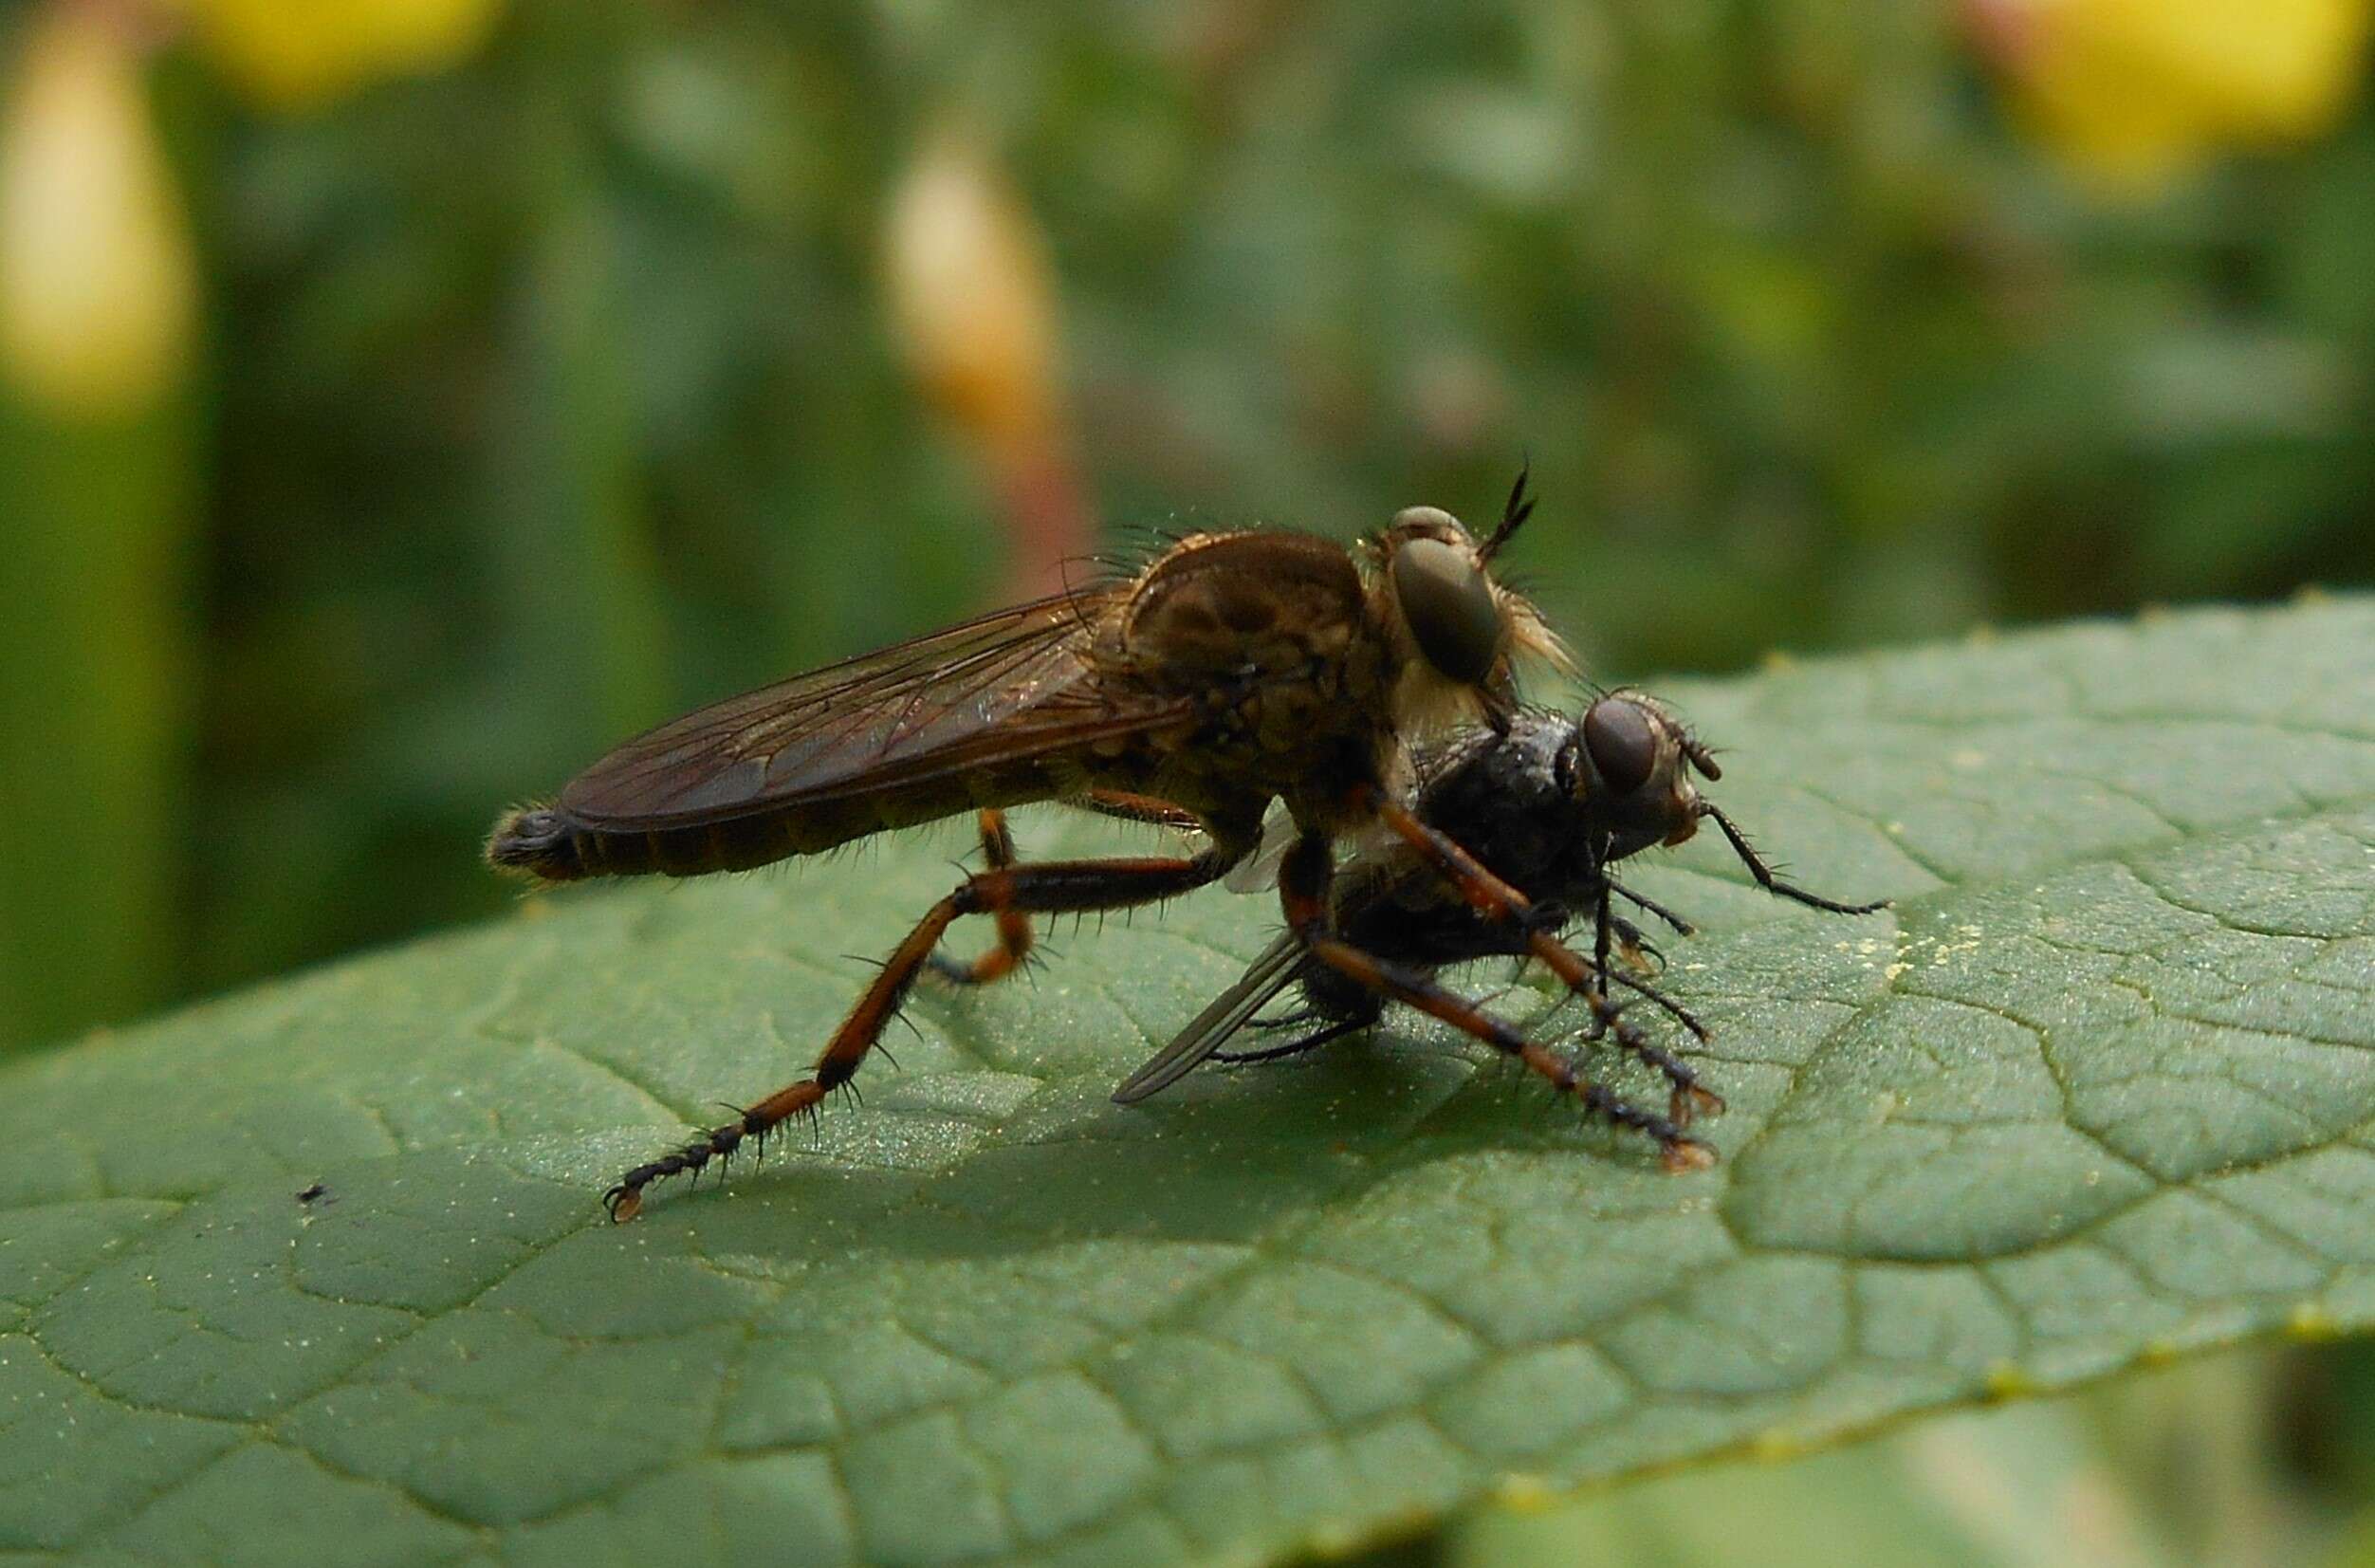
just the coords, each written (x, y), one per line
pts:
(1686, 1154)
(1690, 1103)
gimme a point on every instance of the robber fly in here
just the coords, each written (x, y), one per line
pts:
(1529, 825)
(1236, 670)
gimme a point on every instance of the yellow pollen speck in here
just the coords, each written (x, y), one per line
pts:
(2312, 1322)
(1525, 1493)
(1336, 1538)
(2008, 1381)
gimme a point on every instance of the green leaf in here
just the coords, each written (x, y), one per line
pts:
(2099, 1090)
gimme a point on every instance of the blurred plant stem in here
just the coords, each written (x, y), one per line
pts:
(94, 738)
(574, 581)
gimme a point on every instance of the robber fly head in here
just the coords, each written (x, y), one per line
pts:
(1465, 629)
(1630, 761)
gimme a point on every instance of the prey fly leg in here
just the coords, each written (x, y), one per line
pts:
(1304, 886)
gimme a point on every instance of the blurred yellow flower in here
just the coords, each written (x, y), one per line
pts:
(97, 282)
(969, 292)
(302, 54)
(2132, 91)
(973, 300)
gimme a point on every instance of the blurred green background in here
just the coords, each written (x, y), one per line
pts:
(548, 388)
(508, 377)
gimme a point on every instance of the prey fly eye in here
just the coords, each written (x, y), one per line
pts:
(1450, 607)
(1623, 743)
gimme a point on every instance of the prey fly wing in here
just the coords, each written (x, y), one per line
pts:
(1210, 1029)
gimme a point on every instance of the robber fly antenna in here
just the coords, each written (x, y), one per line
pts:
(1515, 511)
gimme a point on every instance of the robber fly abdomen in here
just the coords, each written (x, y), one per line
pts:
(554, 845)
(1237, 669)
(1519, 832)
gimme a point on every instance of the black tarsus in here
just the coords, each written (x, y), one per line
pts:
(1311, 1042)
(1675, 922)
(1773, 884)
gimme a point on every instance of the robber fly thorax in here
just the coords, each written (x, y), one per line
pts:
(1234, 670)
(1301, 670)
(1532, 821)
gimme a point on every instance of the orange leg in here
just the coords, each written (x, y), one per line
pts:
(1303, 890)
(1141, 808)
(1015, 938)
(1014, 927)
(1060, 887)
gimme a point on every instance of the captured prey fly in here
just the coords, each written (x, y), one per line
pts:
(1529, 824)
(1235, 670)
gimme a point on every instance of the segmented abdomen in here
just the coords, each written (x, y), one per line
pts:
(554, 845)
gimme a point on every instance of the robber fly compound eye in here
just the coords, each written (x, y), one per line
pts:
(1450, 606)
(1623, 743)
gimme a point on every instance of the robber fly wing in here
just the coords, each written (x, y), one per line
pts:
(1014, 683)
(1210, 1029)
